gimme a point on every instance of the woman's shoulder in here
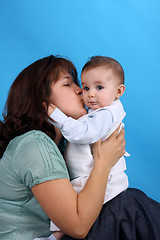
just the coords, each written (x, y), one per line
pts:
(29, 138)
(32, 135)
(32, 142)
(39, 154)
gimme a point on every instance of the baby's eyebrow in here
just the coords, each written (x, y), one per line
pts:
(84, 83)
(98, 81)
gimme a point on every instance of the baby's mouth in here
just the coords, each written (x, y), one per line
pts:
(92, 103)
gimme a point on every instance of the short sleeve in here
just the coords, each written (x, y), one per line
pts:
(37, 159)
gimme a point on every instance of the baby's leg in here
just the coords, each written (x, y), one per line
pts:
(56, 231)
(58, 235)
(51, 237)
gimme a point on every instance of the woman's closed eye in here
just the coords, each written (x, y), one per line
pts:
(68, 84)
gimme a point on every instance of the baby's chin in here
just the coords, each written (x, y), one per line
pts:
(97, 106)
(94, 106)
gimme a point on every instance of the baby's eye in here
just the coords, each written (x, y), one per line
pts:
(85, 88)
(99, 87)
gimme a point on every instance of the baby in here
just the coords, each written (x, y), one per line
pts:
(102, 81)
(103, 84)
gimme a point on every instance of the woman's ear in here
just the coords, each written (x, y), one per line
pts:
(120, 91)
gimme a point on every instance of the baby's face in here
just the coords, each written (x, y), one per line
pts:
(99, 87)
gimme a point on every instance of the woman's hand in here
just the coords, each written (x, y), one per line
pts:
(110, 150)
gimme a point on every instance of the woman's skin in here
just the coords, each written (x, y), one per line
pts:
(66, 95)
(75, 213)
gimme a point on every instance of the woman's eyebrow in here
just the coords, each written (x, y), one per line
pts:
(67, 77)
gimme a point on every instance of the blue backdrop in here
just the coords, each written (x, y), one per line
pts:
(128, 30)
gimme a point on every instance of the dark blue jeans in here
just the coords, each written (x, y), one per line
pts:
(129, 216)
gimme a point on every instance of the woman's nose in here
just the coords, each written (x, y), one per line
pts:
(78, 90)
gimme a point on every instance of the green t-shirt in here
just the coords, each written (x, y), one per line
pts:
(29, 159)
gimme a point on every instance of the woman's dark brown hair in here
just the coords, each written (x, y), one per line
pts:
(24, 109)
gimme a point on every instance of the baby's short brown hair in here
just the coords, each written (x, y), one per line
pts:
(106, 62)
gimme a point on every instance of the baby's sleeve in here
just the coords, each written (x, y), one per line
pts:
(37, 159)
(86, 130)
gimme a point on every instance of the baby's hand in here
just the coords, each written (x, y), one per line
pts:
(51, 108)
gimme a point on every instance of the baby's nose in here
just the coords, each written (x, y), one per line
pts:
(91, 93)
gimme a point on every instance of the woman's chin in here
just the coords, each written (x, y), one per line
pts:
(80, 114)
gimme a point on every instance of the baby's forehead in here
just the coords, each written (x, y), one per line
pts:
(98, 75)
(100, 70)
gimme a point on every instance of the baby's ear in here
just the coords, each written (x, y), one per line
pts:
(120, 90)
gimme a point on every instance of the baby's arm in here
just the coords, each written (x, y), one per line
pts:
(87, 130)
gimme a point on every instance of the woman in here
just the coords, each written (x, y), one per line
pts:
(34, 181)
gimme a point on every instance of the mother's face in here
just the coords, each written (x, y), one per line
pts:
(66, 95)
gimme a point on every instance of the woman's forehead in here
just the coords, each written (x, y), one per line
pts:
(65, 76)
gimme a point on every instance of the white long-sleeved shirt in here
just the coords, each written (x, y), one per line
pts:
(95, 125)
(91, 127)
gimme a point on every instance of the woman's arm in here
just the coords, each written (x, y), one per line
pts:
(75, 213)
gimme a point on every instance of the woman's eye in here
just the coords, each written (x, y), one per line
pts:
(85, 88)
(67, 84)
(99, 87)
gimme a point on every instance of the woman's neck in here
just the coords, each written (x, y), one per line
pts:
(58, 136)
